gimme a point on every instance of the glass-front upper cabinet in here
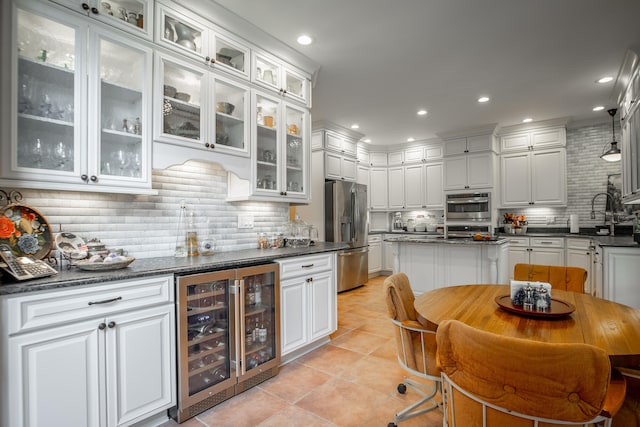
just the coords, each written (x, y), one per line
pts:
(201, 109)
(71, 130)
(46, 127)
(276, 75)
(281, 156)
(122, 86)
(183, 31)
(134, 16)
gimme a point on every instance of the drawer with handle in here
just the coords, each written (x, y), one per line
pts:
(305, 265)
(548, 242)
(51, 308)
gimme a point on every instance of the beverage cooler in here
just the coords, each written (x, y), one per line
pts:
(228, 335)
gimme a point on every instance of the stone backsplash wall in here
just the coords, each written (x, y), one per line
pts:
(145, 226)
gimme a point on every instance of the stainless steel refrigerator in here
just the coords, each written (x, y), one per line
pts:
(346, 220)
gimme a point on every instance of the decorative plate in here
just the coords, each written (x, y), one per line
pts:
(104, 266)
(71, 246)
(26, 231)
(559, 308)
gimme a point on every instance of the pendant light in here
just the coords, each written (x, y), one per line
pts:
(613, 153)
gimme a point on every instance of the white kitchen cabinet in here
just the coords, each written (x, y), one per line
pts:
(340, 167)
(470, 144)
(396, 187)
(277, 75)
(414, 186)
(580, 254)
(83, 116)
(388, 255)
(215, 117)
(279, 153)
(362, 155)
(375, 253)
(535, 250)
(308, 301)
(136, 18)
(340, 144)
(378, 189)
(182, 31)
(534, 178)
(378, 158)
(362, 177)
(434, 192)
(112, 346)
(469, 171)
(395, 158)
(413, 155)
(542, 138)
(620, 275)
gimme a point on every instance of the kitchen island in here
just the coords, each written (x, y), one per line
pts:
(433, 262)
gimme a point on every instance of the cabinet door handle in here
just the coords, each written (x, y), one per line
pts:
(94, 178)
(112, 324)
(106, 301)
(307, 266)
(207, 59)
(102, 326)
(84, 177)
(85, 6)
(94, 10)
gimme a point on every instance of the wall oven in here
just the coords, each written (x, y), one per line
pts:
(465, 207)
(466, 231)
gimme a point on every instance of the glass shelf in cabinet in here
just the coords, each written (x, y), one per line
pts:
(45, 120)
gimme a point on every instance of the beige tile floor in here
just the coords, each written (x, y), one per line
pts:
(348, 382)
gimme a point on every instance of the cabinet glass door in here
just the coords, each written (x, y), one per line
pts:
(267, 72)
(123, 118)
(295, 149)
(183, 89)
(231, 110)
(204, 335)
(259, 320)
(267, 112)
(295, 85)
(178, 32)
(231, 56)
(47, 137)
(130, 15)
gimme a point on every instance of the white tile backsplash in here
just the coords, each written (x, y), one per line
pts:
(145, 226)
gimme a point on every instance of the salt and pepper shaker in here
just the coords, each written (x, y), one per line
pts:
(529, 302)
(543, 302)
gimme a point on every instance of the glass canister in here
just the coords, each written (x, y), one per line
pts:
(208, 243)
(181, 249)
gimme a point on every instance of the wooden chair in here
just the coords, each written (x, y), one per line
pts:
(565, 278)
(416, 347)
(629, 414)
(491, 380)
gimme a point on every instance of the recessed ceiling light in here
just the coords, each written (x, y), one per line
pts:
(410, 139)
(355, 126)
(598, 108)
(605, 79)
(483, 99)
(366, 140)
(304, 40)
(422, 112)
(527, 120)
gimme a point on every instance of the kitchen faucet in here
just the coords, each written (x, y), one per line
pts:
(613, 210)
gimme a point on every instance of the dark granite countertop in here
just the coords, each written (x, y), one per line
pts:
(612, 241)
(440, 240)
(163, 265)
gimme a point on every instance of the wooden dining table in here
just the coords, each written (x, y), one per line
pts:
(611, 326)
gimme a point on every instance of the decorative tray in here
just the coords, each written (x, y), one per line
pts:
(559, 308)
(104, 266)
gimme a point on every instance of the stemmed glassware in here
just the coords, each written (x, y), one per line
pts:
(60, 155)
(36, 153)
(122, 160)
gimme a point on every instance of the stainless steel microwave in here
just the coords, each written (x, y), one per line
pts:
(468, 207)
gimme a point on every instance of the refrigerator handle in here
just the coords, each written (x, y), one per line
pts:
(354, 214)
(239, 338)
